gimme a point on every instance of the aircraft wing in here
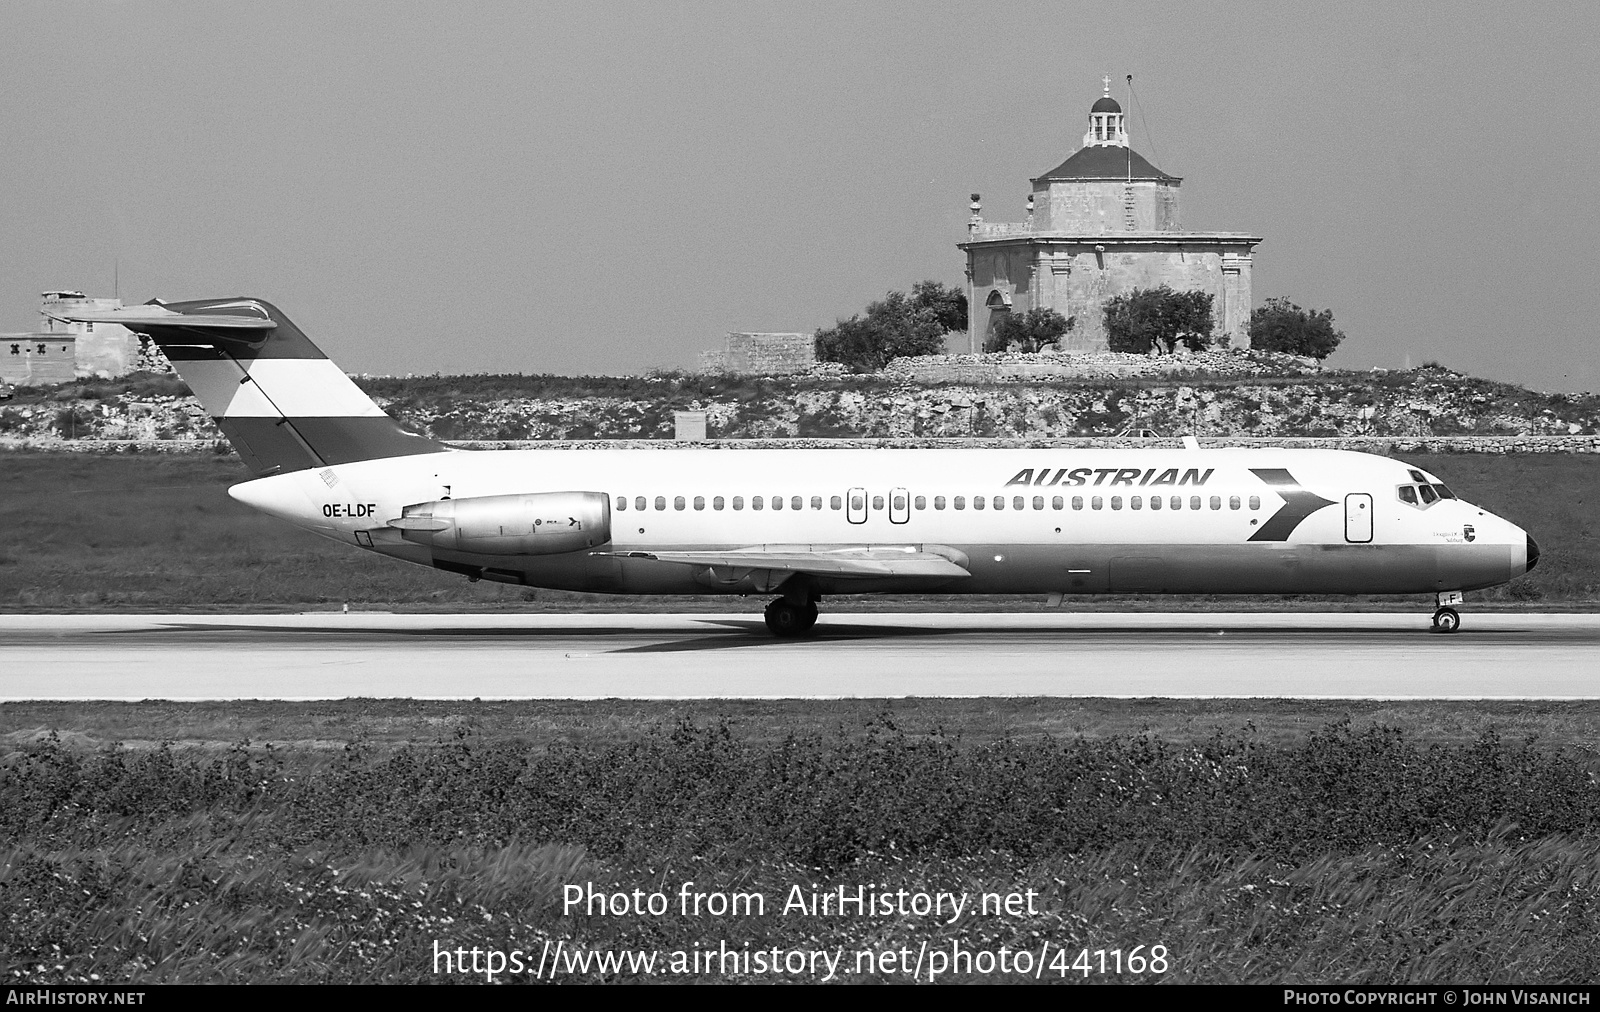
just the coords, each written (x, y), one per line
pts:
(861, 561)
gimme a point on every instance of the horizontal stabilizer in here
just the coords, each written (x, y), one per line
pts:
(272, 392)
(860, 561)
(143, 317)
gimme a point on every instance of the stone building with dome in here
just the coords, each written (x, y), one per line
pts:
(1101, 224)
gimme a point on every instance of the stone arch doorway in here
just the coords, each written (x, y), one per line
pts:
(998, 305)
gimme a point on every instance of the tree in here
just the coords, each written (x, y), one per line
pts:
(1158, 319)
(1280, 325)
(897, 326)
(1028, 332)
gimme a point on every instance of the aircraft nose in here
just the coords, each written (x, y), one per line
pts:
(1533, 553)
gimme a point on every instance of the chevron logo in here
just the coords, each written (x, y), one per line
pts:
(1297, 504)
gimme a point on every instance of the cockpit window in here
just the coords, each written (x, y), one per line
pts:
(1444, 492)
(1408, 493)
(1429, 496)
(1418, 476)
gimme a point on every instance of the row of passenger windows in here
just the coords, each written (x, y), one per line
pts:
(1018, 502)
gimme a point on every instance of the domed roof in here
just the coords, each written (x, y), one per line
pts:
(1107, 162)
(1105, 104)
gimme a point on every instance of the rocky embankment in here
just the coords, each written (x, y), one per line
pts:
(1014, 397)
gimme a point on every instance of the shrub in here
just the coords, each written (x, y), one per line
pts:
(1158, 319)
(898, 326)
(1028, 332)
(1280, 325)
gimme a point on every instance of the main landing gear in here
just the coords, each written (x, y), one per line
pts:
(789, 619)
(1445, 618)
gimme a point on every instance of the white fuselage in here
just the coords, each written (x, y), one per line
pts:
(1051, 520)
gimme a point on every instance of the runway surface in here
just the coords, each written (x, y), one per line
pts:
(330, 656)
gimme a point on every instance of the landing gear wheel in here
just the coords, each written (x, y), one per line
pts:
(788, 621)
(1446, 620)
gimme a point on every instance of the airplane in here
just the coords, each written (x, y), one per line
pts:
(804, 524)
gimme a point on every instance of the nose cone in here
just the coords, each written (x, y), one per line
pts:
(1533, 554)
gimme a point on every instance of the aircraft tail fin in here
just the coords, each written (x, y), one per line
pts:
(276, 397)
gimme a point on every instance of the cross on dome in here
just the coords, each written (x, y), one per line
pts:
(1105, 121)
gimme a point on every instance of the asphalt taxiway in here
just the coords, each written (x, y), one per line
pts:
(589, 656)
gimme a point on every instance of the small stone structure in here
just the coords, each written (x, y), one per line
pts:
(59, 352)
(38, 359)
(764, 354)
(1099, 225)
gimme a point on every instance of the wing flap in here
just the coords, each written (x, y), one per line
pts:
(860, 561)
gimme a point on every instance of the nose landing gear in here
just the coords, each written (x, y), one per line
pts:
(1445, 618)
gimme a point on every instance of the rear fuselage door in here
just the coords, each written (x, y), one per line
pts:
(899, 506)
(856, 506)
(1358, 518)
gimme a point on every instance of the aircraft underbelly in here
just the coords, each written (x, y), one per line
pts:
(1055, 568)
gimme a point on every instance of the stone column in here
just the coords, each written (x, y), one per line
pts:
(972, 310)
(1236, 298)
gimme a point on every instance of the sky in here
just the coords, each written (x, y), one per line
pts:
(610, 188)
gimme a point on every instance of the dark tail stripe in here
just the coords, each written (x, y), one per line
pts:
(270, 445)
(283, 341)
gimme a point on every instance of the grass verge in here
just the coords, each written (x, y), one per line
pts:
(1353, 850)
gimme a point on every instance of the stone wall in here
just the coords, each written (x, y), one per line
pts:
(37, 359)
(1384, 445)
(762, 354)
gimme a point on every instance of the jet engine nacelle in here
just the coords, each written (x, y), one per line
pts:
(543, 523)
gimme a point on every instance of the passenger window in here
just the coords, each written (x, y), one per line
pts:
(938, 502)
(1135, 502)
(1155, 502)
(1176, 502)
(1000, 502)
(899, 503)
(738, 502)
(699, 502)
(1255, 502)
(961, 502)
(1018, 503)
(1429, 497)
(755, 502)
(1408, 494)
(1116, 502)
(661, 502)
(1194, 502)
(816, 502)
(796, 503)
(1233, 502)
(1097, 502)
(622, 502)
(979, 502)
(1057, 503)
(678, 503)
(638, 502)
(835, 502)
(877, 502)
(1216, 502)
(858, 503)
(920, 502)
(777, 502)
(717, 503)
(1077, 502)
